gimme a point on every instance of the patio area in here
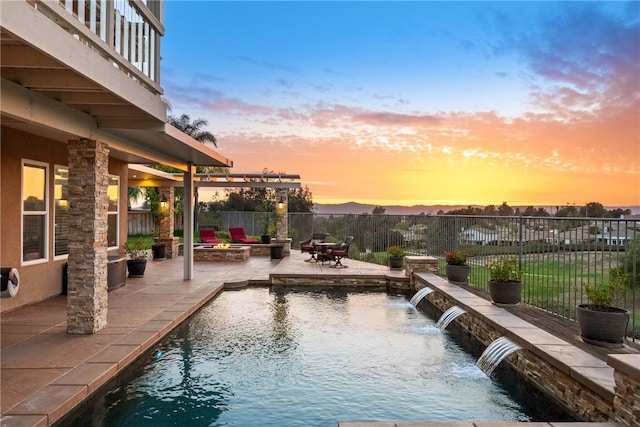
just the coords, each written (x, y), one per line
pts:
(45, 372)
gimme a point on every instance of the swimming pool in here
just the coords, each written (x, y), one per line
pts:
(255, 358)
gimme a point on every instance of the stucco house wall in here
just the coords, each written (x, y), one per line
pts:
(43, 280)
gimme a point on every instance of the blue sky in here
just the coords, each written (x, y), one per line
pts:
(418, 102)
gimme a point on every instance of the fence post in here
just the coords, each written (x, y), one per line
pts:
(521, 240)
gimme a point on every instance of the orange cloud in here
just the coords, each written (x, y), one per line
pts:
(461, 158)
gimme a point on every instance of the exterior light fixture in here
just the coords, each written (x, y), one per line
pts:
(281, 203)
(164, 203)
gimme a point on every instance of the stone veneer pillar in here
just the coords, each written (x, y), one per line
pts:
(281, 216)
(419, 264)
(87, 265)
(167, 223)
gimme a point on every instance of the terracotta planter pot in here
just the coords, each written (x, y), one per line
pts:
(602, 328)
(458, 273)
(505, 292)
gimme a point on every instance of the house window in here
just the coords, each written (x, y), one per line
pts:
(35, 212)
(113, 222)
(61, 211)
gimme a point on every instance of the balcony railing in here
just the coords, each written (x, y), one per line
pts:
(125, 32)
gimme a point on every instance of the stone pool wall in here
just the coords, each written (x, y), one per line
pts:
(232, 253)
(627, 377)
(590, 401)
(305, 281)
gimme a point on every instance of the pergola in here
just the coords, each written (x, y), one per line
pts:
(143, 176)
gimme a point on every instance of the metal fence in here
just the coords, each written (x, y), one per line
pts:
(559, 256)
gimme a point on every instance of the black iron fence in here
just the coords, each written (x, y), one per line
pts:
(559, 256)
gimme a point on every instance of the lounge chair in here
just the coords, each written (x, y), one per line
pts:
(336, 253)
(208, 235)
(238, 236)
(308, 246)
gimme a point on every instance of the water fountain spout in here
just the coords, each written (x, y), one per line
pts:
(495, 353)
(419, 295)
(448, 316)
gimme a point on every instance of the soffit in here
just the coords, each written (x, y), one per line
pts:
(61, 88)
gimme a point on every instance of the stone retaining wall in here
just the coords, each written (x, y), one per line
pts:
(591, 404)
(627, 376)
(288, 280)
(232, 253)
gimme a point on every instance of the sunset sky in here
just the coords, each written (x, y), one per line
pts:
(404, 103)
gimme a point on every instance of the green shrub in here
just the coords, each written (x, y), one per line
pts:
(396, 251)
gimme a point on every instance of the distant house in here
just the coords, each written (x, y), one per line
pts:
(577, 235)
(480, 237)
(415, 235)
(615, 236)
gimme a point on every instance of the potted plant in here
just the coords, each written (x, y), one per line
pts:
(396, 256)
(158, 249)
(601, 323)
(137, 252)
(505, 281)
(267, 222)
(457, 268)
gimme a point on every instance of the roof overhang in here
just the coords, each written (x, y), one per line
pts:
(143, 176)
(63, 88)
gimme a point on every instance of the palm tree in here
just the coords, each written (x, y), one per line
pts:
(193, 129)
(133, 193)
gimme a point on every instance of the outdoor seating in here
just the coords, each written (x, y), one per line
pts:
(238, 236)
(336, 253)
(309, 245)
(208, 235)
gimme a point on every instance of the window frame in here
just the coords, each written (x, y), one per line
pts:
(55, 208)
(116, 213)
(36, 164)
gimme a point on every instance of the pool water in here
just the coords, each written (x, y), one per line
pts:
(255, 358)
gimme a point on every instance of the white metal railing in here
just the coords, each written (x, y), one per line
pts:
(130, 29)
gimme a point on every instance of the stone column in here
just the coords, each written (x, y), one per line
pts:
(166, 214)
(281, 215)
(419, 264)
(167, 223)
(87, 265)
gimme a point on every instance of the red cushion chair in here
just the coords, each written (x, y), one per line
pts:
(238, 236)
(308, 246)
(208, 235)
(338, 252)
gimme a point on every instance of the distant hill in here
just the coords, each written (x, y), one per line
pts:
(361, 208)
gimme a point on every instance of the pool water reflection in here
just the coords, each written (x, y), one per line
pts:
(255, 358)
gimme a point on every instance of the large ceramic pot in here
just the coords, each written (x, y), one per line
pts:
(159, 251)
(276, 251)
(458, 273)
(136, 267)
(505, 292)
(604, 327)
(395, 262)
